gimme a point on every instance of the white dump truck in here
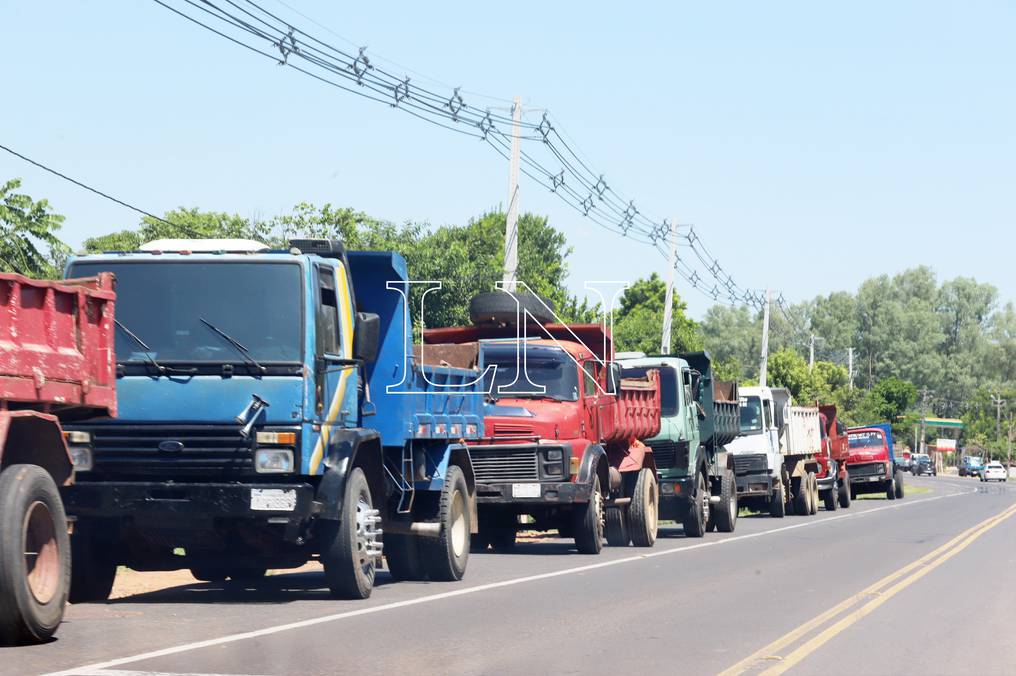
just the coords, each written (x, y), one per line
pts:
(776, 456)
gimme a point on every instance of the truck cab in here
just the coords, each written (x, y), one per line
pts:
(871, 462)
(270, 414)
(699, 415)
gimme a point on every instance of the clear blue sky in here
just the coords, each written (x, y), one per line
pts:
(812, 144)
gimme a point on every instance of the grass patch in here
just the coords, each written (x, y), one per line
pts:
(909, 490)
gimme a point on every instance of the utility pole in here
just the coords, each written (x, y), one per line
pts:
(668, 310)
(925, 393)
(811, 353)
(850, 367)
(764, 363)
(511, 233)
(999, 403)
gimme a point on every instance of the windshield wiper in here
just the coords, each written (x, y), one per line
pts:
(247, 356)
(148, 352)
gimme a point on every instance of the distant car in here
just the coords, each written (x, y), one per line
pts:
(906, 463)
(923, 464)
(994, 471)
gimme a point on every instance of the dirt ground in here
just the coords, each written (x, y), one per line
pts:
(131, 582)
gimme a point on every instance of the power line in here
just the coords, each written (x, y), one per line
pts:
(96, 190)
(576, 183)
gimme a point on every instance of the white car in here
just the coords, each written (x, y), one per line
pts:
(994, 471)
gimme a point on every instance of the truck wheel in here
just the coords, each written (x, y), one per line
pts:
(845, 492)
(93, 568)
(34, 555)
(350, 546)
(899, 485)
(402, 554)
(890, 488)
(829, 499)
(587, 522)
(724, 514)
(445, 558)
(802, 498)
(697, 516)
(814, 493)
(777, 506)
(615, 527)
(498, 307)
(644, 512)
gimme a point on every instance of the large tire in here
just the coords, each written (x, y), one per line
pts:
(35, 557)
(349, 545)
(899, 485)
(829, 499)
(890, 488)
(844, 497)
(697, 516)
(445, 558)
(587, 522)
(814, 494)
(499, 307)
(777, 505)
(402, 554)
(644, 511)
(615, 527)
(802, 498)
(724, 514)
(93, 568)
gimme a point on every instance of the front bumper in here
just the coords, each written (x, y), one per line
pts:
(169, 499)
(757, 483)
(533, 493)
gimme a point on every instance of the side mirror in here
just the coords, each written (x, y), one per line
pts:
(614, 377)
(366, 336)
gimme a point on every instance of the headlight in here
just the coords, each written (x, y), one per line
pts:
(272, 461)
(77, 437)
(553, 454)
(81, 457)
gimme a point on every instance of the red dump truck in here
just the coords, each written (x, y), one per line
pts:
(57, 364)
(833, 476)
(564, 436)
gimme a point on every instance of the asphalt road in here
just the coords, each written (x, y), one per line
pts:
(912, 586)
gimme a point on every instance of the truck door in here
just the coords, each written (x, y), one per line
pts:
(590, 400)
(686, 394)
(331, 342)
(772, 432)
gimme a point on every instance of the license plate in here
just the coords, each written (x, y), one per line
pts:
(525, 490)
(272, 500)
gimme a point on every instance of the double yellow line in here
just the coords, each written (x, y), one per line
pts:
(773, 658)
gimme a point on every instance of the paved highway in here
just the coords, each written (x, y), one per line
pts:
(912, 586)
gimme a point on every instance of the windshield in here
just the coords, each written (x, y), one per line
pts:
(867, 439)
(668, 385)
(163, 304)
(751, 415)
(547, 366)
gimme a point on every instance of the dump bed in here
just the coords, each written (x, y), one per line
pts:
(800, 426)
(720, 402)
(637, 413)
(839, 449)
(56, 345)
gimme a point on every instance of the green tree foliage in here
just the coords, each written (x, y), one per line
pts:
(28, 241)
(638, 320)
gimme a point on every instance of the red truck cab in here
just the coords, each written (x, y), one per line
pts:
(563, 437)
(871, 463)
(833, 476)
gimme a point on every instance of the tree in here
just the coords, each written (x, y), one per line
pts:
(28, 241)
(733, 336)
(638, 320)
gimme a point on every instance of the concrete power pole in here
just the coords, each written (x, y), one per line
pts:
(925, 393)
(850, 367)
(511, 233)
(668, 303)
(763, 366)
(999, 403)
(811, 353)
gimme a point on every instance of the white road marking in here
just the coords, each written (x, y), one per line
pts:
(123, 672)
(267, 631)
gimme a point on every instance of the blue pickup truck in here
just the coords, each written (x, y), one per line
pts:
(272, 412)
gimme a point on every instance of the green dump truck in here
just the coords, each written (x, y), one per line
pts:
(699, 416)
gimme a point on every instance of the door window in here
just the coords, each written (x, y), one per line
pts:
(327, 313)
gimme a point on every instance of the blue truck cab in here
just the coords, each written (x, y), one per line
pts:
(271, 413)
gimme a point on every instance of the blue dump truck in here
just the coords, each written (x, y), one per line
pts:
(271, 413)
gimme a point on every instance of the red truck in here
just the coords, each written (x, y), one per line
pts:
(565, 447)
(56, 364)
(872, 463)
(833, 475)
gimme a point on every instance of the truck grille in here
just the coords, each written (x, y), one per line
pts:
(501, 465)
(512, 430)
(670, 454)
(206, 451)
(750, 464)
(866, 469)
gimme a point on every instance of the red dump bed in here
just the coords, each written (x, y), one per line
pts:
(637, 414)
(56, 346)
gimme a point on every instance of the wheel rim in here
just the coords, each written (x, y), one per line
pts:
(368, 548)
(459, 531)
(42, 553)
(705, 499)
(651, 510)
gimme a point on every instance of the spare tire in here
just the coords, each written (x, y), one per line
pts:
(500, 308)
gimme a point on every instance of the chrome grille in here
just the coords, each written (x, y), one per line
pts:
(499, 465)
(866, 469)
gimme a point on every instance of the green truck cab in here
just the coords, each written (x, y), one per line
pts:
(699, 415)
